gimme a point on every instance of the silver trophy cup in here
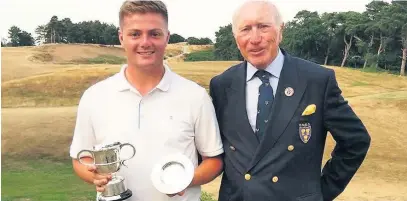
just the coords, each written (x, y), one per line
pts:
(107, 161)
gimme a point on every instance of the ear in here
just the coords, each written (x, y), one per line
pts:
(120, 35)
(280, 33)
(168, 36)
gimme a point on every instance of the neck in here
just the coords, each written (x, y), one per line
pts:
(144, 79)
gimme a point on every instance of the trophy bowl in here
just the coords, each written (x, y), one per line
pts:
(172, 174)
(107, 160)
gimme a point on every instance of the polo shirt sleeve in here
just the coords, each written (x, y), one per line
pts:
(207, 135)
(83, 137)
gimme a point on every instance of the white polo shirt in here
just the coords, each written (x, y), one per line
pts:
(176, 116)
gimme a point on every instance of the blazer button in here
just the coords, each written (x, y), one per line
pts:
(247, 176)
(232, 148)
(275, 179)
(290, 148)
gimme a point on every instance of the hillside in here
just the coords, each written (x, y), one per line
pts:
(19, 62)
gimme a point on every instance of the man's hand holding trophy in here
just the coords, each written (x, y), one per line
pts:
(105, 161)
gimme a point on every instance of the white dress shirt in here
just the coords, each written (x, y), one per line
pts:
(253, 83)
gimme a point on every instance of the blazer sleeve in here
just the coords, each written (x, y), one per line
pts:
(352, 141)
(213, 88)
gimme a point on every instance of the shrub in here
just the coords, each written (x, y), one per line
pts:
(204, 55)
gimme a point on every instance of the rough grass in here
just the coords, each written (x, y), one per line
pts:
(101, 59)
(64, 87)
(20, 62)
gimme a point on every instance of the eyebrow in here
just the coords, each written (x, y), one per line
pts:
(134, 30)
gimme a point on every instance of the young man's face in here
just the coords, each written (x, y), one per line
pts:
(144, 38)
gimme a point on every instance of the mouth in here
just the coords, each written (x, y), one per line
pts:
(146, 53)
(256, 51)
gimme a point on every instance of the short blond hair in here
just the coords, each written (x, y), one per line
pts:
(143, 6)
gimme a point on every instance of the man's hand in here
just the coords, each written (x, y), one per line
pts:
(180, 194)
(99, 180)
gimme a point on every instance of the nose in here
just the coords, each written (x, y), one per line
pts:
(145, 41)
(255, 36)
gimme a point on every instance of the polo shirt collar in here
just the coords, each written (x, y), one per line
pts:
(123, 84)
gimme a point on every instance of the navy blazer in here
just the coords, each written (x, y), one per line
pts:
(286, 164)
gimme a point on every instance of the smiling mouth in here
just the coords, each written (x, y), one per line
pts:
(146, 53)
(256, 51)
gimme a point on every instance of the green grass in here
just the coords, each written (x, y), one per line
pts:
(44, 179)
(207, 197)
(359, 83)
(203, 55)
(101, 59)
(378, 70)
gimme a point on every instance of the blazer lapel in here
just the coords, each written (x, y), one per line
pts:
(283, 108)
(237, 100)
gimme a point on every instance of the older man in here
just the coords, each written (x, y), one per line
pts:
(274, 112)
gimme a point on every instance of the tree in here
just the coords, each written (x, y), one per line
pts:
(404, 49)
(13, 33)
(20, 38)
(225, 47)
(25, 39)
(352, 24)
(198, 41)
(176, 38)
(3, 42)
(65, 31)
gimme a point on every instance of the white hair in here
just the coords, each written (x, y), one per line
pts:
(277, 19)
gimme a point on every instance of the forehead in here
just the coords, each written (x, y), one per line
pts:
(255, 12)
(144, 21)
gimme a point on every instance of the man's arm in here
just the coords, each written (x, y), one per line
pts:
(352, 141)
(207, 171)
(84, 138)
(208, 142)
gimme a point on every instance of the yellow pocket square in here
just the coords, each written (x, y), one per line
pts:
(309, 110)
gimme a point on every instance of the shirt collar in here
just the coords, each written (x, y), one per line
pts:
(123, 84)
(274, 68)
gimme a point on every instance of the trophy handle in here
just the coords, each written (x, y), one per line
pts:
(134, 151)
(86, 151)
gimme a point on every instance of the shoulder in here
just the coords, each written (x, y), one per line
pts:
(225, 77)
(186, 87)
(314, 73)
(100, 89)
(312, 69)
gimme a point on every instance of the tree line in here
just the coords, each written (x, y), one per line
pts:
(91, 32)
(374, 38)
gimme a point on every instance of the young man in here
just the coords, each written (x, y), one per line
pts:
(150, 107)
(274, 112)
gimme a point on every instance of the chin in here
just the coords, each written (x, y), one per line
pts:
(257, 63)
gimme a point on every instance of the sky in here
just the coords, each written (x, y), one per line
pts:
(198, 18)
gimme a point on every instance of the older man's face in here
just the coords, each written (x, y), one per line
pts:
(256, 34)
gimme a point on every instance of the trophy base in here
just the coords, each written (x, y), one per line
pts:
(123, 196)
